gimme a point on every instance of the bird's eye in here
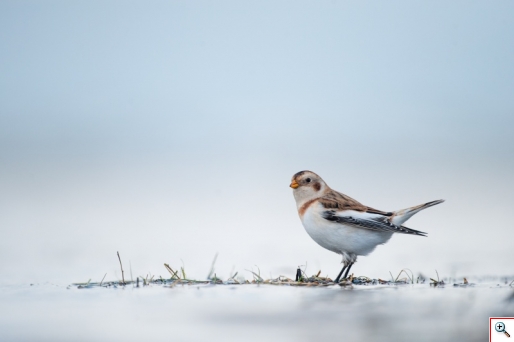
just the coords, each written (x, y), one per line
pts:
(308, 180)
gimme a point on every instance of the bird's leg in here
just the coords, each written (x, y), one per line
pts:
(347, 270)
(339, 275)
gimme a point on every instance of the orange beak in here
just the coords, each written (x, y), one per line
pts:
(294, 185)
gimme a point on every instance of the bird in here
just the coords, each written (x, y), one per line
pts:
(343, 225)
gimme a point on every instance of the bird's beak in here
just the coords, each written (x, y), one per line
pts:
(294, 185)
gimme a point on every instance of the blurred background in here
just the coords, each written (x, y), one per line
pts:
(169, 131)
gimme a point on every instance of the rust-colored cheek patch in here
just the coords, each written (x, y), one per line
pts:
(305, 206)
(317, 186)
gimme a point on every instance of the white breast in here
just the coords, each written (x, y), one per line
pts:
(340, 238)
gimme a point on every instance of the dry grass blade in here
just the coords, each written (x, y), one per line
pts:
(103, 279)
(174, 274)
(411, 278)
(121, 266)
(256, 276)
(436, 282)
(211, 271)
(86, 285)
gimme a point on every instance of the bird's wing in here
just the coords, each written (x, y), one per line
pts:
(338, 201)
(367, 220)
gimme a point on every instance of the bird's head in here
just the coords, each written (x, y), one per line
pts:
(307, 186)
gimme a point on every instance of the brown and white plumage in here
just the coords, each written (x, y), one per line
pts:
(343, 225)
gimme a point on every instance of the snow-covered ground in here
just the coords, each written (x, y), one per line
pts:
(50, 312)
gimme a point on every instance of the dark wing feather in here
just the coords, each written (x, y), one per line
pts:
(377, 224)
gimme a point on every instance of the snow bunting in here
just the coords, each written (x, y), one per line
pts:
(341, 224)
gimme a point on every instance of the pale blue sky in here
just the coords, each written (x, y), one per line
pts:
(174, 127)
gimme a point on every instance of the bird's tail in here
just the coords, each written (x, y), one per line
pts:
(400, 216)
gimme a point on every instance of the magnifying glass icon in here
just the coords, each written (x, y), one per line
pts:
(500, 327)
